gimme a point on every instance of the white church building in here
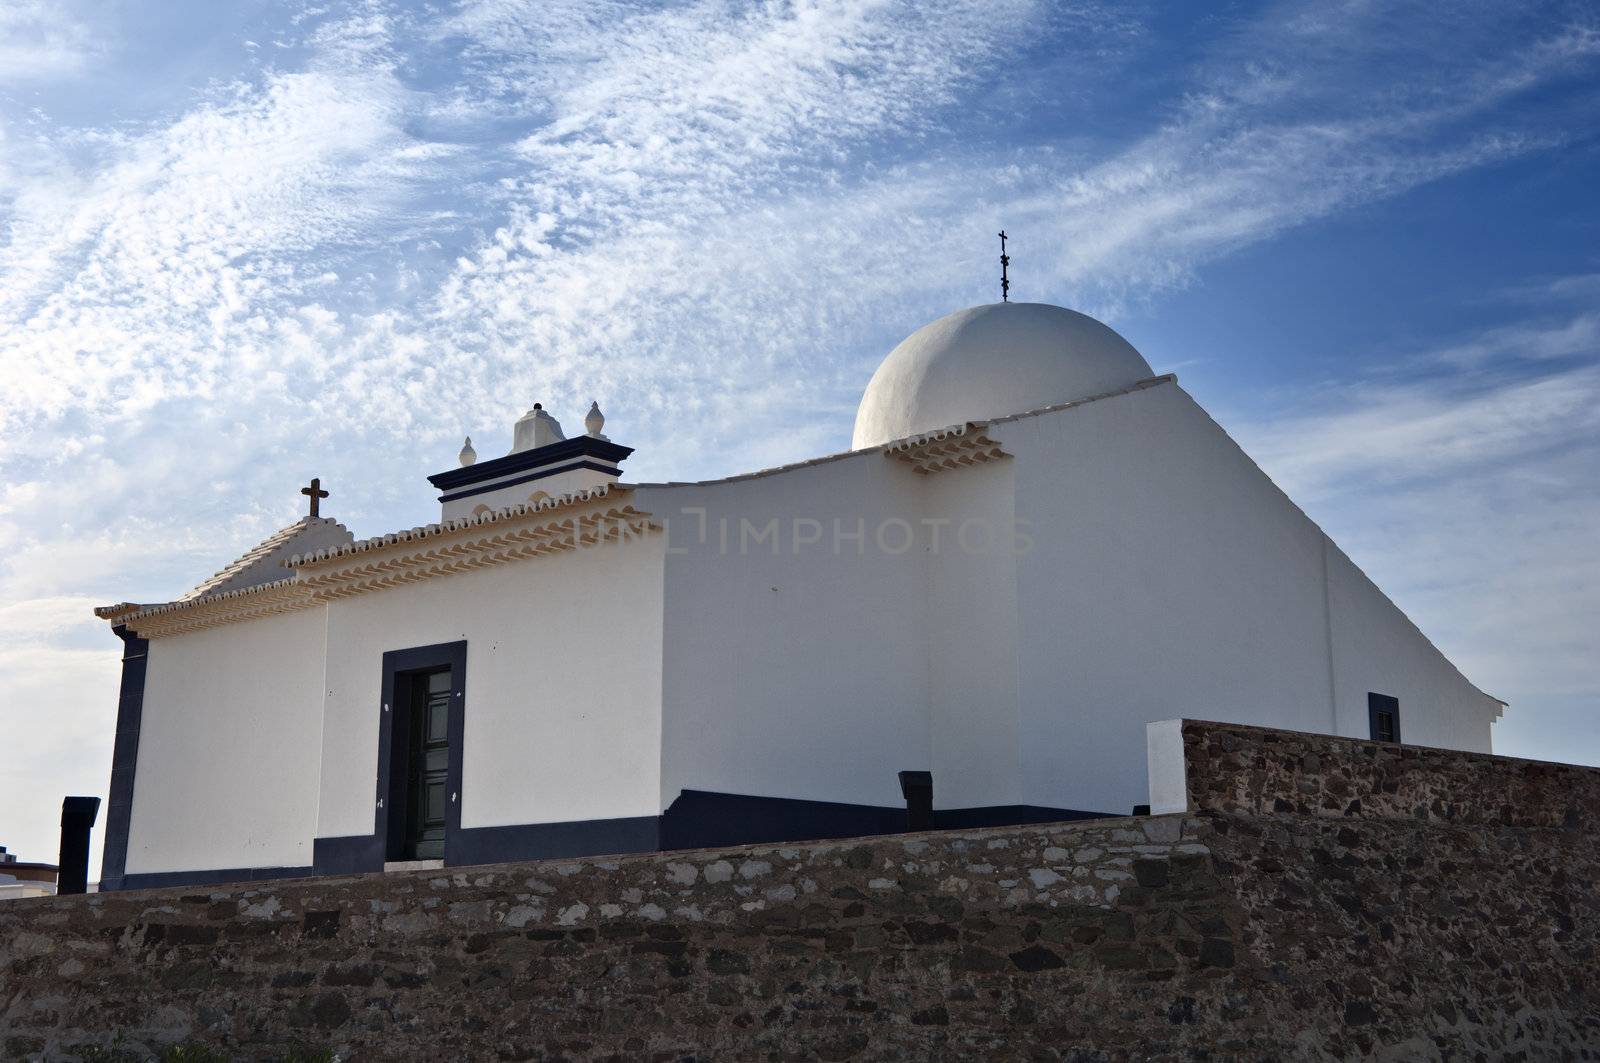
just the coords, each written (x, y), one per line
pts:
(1034, 548)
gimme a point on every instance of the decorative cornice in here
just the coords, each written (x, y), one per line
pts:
(565, 450)
(115, 613)
(514, 533)
(537, 474)
(194, 614)
(947, 448)
(445, 553)
(572, 500)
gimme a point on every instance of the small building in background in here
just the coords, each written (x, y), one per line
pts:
(21, 878)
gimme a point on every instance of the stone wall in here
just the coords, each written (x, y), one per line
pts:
(1259, 771)
(1223, 934)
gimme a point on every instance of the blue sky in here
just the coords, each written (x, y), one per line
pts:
(241, 245)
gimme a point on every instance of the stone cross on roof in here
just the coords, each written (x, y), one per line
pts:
(316, 494)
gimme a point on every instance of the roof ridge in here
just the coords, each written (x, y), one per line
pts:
(251, 556)
(890, 446)
(427, 531)
(129, 611)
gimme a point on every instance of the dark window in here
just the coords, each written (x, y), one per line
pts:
(1383, 715)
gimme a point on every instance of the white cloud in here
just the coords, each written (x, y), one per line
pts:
(158, 276)
(1396, 434)
(666, 144)
(689, 170)
(45, 617)
(1472, 500)
(39, 41)
(58, 731)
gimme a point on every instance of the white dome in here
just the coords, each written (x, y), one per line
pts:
(991, 361)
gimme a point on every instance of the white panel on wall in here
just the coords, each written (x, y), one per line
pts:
(1169, 577)
(1168, 770)
(972, 638)
(229, 747)
(796, 666)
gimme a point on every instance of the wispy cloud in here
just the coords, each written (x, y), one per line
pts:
(40, 41)
(150, 280)
(1578, 335)
(1472, 499)
(1394, 434)
(665, 177)
(617, 246)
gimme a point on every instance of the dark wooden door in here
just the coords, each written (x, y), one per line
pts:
(428, 766)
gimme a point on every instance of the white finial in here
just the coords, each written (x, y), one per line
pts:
(468, 455)
(595, 420)
(536, 429)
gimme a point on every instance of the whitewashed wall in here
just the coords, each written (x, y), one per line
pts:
(972, 633)
(563, 687)
(1377, 648)
(803, 673)
(1171, 578)
(230, 747)
(821, 671)
(1167, 576)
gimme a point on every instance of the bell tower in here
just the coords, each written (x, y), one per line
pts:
(542, 461)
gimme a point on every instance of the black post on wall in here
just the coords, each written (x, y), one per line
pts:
(77, 819)
(917, 788)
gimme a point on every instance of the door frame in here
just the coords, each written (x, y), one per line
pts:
(394, 742)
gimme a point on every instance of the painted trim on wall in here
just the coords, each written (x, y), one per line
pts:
(223, 607)
(348, 855)
(153, 880)
(124, 759)
(525, 530)
(495, 845)
(545, 841)
(1010, 815)
(703, 819)
(539, 475)
(697, 819)
(391, 785)
(511, 533)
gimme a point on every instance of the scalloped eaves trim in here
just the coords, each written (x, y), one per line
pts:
(571, 521)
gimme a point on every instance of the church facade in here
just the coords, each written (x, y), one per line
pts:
(1035, 548)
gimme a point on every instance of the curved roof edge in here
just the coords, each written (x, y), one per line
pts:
(890, 444)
